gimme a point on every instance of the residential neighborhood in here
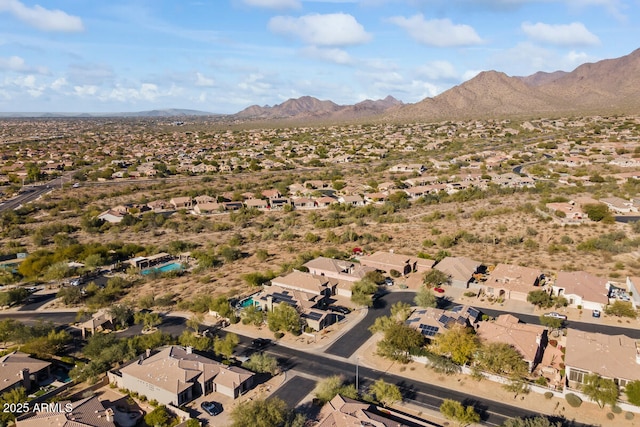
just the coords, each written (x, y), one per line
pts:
(200, 269)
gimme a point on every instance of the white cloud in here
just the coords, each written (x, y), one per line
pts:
(437, 32)
(85, 90)
(334, 29)
(337, 56)
(574, 34)
(274, 4)
(203, 81)
(59, 83)
(146, 92)
(254, 84)
(18, 64)
(41, 18)
(526, 58)
(438, 70)
(13, 63)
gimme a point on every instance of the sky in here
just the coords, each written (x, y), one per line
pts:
(222, 56)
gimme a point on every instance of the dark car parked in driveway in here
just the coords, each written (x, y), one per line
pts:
(339, 309)
(211, 408)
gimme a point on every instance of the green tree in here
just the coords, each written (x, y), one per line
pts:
(502, 359)
(601, 390)
(456, 411)
(362, 291)
(327, 388)
(385, 393)
(621, 309)
(226, 345)
(262, 363)
(159, 417)
(252, 315)
(435, 277)
(425, 298)
(381, 324)
(398, 342)
(13, 296)
(597, 212)
(71, 295)
(540, 298)
(459, 343)
(539, 421)
(632, 390)
(122, 314)
(189, 339)
(46, 346)
(15, 395)
(551, 322)
(400, 311)
(259, 413)
(194, 322)
(149, 320)
(285, 318)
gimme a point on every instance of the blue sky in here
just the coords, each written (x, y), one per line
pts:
(222, 56)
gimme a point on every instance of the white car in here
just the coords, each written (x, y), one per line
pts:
(555, 315)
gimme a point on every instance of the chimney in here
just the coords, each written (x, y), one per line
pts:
(26, 379)
(147, 352)
(109, 413)
(189, 349)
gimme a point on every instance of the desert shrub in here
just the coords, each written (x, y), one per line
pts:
(616, 409)
(542, 381)
(610, 416)
(548, 395)
(395, 273)
(573, 400)
(470, 294)
(629, 416)
(278, 335)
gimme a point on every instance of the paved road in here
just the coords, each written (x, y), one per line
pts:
(29, 195)
(355, 337)
(428, 395)
(294, 390)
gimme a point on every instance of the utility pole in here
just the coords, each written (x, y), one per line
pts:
(357, 364)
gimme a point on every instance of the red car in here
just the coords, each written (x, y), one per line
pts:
(438, 290)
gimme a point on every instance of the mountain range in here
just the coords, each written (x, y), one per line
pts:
(606, 87)
(610, 86)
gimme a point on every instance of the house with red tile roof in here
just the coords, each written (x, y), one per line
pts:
(611, 356)
(582, 289)
(511, 282)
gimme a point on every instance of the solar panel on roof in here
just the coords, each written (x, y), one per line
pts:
(444, 319)
(473, 312)
(429, 330)
(456, 309)
(415, 319)
(313, 315)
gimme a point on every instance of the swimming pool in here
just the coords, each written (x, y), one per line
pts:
(246, 303)
(174, 266)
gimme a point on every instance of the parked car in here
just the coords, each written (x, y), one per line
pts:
(595, 313)
(388, 281)
(555, 315)
(260, 342)
(438, 290)
(339, 309)
(212, 408)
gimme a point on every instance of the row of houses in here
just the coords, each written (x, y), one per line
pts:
(562, 365)
(311, 291)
